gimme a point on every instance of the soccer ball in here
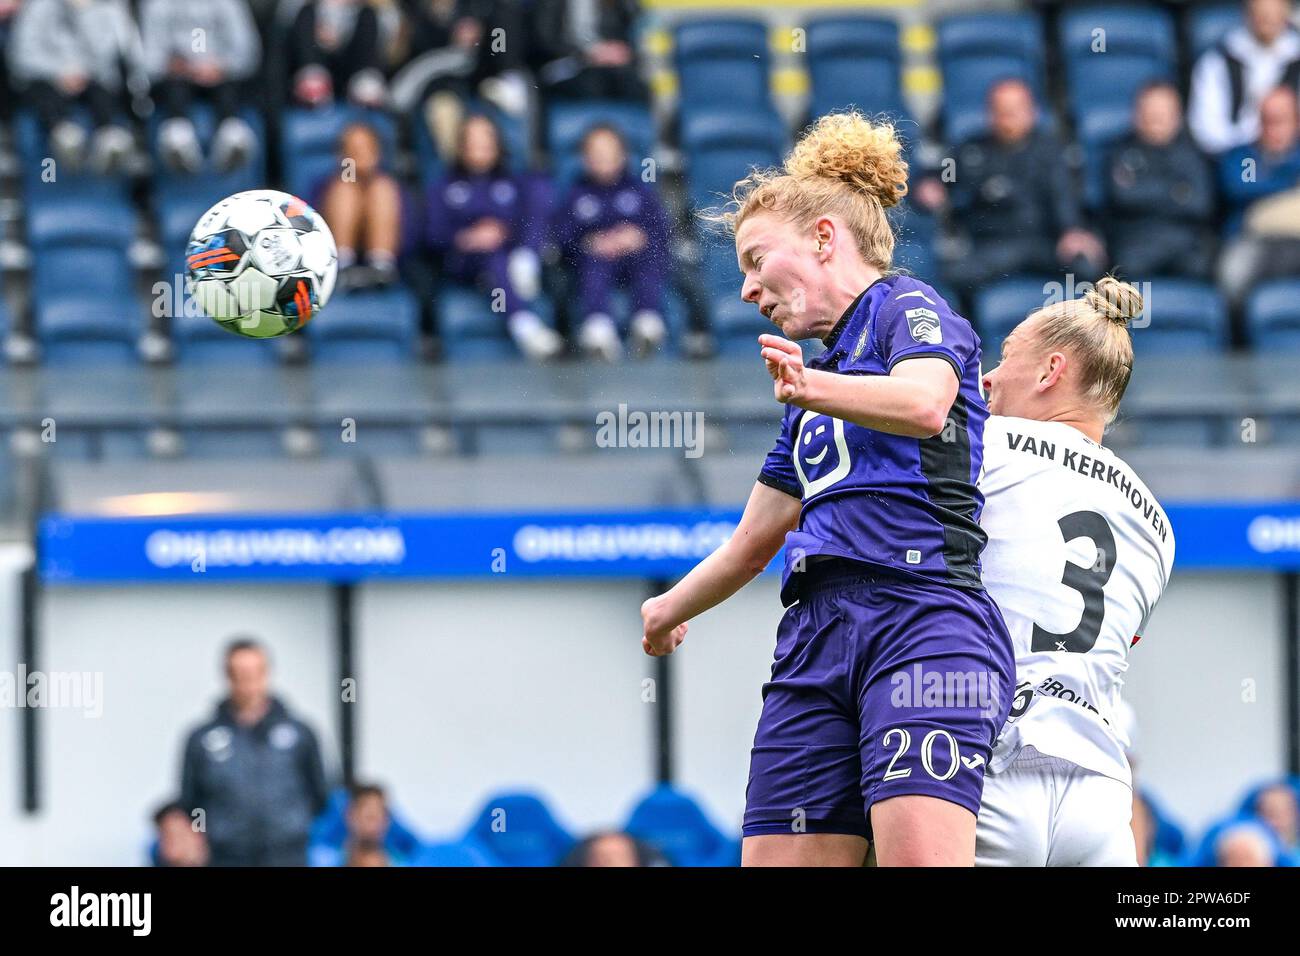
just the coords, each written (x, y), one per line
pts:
(261, 263)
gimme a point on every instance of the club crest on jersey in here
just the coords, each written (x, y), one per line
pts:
(924, 325)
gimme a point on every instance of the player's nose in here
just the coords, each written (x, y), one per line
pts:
(750, 289)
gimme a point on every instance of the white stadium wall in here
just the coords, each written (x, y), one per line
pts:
(464, 689)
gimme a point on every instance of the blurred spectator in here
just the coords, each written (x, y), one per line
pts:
(1276, 807)
(614, 230)
(1161, 193)
(365, 844)
(254, 771)
(460, 49)
(201, 49)
(613, 849)
(1259, 186)
(479, 218)
(7, 10)
(363, 205)
(87, 53)
(1244, 844)
(582, 49)
(340, 48)
(1014, 198)
(180, 843)
(1230, 80)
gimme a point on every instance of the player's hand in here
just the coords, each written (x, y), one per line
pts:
(658, 640)
(784, 361)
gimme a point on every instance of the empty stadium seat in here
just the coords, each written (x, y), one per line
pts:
(458, 853)
(1000, 306)
(567, 121)
(1273, 316)
(975, 51)
(721, 146)
(1182, 316)
(675, 825)
(79, 209)
(232, 441)
(309, 142)
(722, 62)
(84, 328)
(855, 61)
(518, 830)
(366, 325)
(736, 324)
(99, 269)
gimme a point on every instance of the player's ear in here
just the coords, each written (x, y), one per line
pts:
(1052, 371)
(824, 235)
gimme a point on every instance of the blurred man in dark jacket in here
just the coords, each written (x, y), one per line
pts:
(1160, 193)
(582, 49)
(254, 770)
(1013, 197)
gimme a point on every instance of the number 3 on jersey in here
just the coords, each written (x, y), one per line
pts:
(1090, 582)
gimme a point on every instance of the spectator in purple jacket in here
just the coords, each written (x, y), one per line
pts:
(363, 207)
(613, 229)
(480, 219)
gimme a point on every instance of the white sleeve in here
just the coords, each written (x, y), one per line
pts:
(1208, 104)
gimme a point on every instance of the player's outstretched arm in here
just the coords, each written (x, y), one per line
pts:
(769, 515)
(912, 400)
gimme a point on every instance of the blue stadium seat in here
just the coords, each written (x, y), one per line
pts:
(102, 270)
(721, 147)
(518, 830)
(1206, 25)
(1001, 306)
(468, 327)
(855, 61)
(736, 324)
(723, 63)
(232, 441)
(309, 142)
(567, 121)
(1140, 46)
(1273, 316)
(80, 209)
(82, 328)
(459, 853)
(975, 51)
(32, 146)
(366, 325)
(1182, 316)
(675, 825)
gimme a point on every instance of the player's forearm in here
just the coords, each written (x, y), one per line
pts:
(885, 403)
(708, 584)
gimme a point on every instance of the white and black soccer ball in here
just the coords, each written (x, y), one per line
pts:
(261, 263)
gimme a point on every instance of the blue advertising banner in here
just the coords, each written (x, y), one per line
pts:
(636, 544)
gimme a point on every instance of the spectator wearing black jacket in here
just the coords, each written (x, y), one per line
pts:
(582, 49)
(254, 771)
(1012, 196)
(1160, 193)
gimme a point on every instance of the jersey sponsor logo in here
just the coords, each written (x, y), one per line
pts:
(821, 454)
(924, 325)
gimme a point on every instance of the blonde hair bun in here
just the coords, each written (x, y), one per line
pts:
(1115, 301)
(849, 147)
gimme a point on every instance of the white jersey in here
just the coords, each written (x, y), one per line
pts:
(1078, 554)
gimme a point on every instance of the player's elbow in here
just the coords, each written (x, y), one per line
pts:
(930, 418)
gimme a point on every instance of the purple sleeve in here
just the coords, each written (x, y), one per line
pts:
(778, 469)
(918, 323)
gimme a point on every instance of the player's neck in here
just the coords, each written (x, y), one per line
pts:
(848, 286)
(1091, 426)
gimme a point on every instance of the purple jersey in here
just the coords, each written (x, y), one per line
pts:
(902, 503)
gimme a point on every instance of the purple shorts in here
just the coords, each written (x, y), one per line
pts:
(882, 685)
